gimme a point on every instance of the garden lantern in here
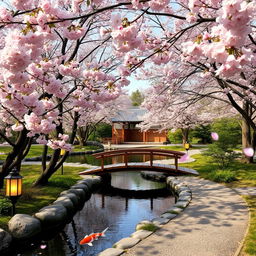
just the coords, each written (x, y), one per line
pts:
(186, 145)
(13, 187)
(62, 153)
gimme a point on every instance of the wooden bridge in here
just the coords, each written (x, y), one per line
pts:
(133, 166)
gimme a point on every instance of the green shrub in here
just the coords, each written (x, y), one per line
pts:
(229, 131)
(221, 155)
(223, 176)
(5, 206)
(221, 151)
(175, 137)
(202, 133)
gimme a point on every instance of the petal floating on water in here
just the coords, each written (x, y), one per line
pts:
(248, 152)
(214, 135)
(43, 246)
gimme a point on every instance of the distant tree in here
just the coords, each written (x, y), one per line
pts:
(137, 98)
(203, 133)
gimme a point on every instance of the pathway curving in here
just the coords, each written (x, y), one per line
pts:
(214, 224)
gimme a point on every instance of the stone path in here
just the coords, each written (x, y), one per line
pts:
(214, 224)
(246, 191)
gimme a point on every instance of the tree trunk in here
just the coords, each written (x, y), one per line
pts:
(185, 132)
(55, 162)
(13, 159)
(246, 140)
(49, 171)
(247, 132)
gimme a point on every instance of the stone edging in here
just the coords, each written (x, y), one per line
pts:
(184, 196)
(23, 227)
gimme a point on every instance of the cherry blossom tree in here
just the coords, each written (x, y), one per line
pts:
(62, 56)
(90, 118)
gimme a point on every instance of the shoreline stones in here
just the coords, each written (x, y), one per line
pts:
(183, 195)
(5, 239)
(23, 227)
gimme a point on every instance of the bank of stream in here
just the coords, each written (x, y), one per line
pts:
(119, 210)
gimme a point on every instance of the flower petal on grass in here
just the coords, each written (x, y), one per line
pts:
(184, 158)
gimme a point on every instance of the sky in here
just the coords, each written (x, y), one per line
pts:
(141, 85)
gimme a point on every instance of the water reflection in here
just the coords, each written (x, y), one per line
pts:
(120, 214)
(89, 159)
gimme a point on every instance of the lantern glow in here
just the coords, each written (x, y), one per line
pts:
(13, 188)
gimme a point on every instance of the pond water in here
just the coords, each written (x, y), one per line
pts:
(107, 209)
(89, 159)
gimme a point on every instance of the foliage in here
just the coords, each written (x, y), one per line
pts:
(175, 136)
(229, 131)
(149, 227)
(203, 133)
(34, 198)
(5, 206)
(221, 154)
(249, 245)
(226, 176)
(221, 150)
(137, 98)
(102, 130)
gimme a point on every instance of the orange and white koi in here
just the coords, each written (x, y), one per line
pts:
(94, 236)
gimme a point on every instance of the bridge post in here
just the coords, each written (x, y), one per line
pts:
(102, 163)
(126, 159)
(151, 159)
(176, 162)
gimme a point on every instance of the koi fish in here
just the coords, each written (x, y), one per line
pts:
(90, 238)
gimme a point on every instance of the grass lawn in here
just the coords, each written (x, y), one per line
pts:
(250, 240)
(180, 148)
(246, 177)
(36, 150)
(35, 198)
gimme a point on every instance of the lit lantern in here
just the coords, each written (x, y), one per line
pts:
(13, 188)
(186, 145)
(62, 153)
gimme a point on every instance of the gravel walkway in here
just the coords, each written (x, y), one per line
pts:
(214, 224)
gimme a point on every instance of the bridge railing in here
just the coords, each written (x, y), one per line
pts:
(139, 151)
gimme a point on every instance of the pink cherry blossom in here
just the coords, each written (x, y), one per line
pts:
(248, 152)
(184, 158)
(214, 135)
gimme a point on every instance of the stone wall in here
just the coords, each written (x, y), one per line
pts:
(23, 227)
(183, 197)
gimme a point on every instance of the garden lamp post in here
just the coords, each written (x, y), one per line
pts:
(186, 146)
(62, 152)
(13, 188)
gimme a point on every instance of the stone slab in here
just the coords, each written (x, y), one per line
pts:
(111, 252)
(168, 215)
(159, 221)
(126, 243)
(141, 234)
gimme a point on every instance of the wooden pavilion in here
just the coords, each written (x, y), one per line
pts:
(125, 129)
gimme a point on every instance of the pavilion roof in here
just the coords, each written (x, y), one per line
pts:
(129, 115)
